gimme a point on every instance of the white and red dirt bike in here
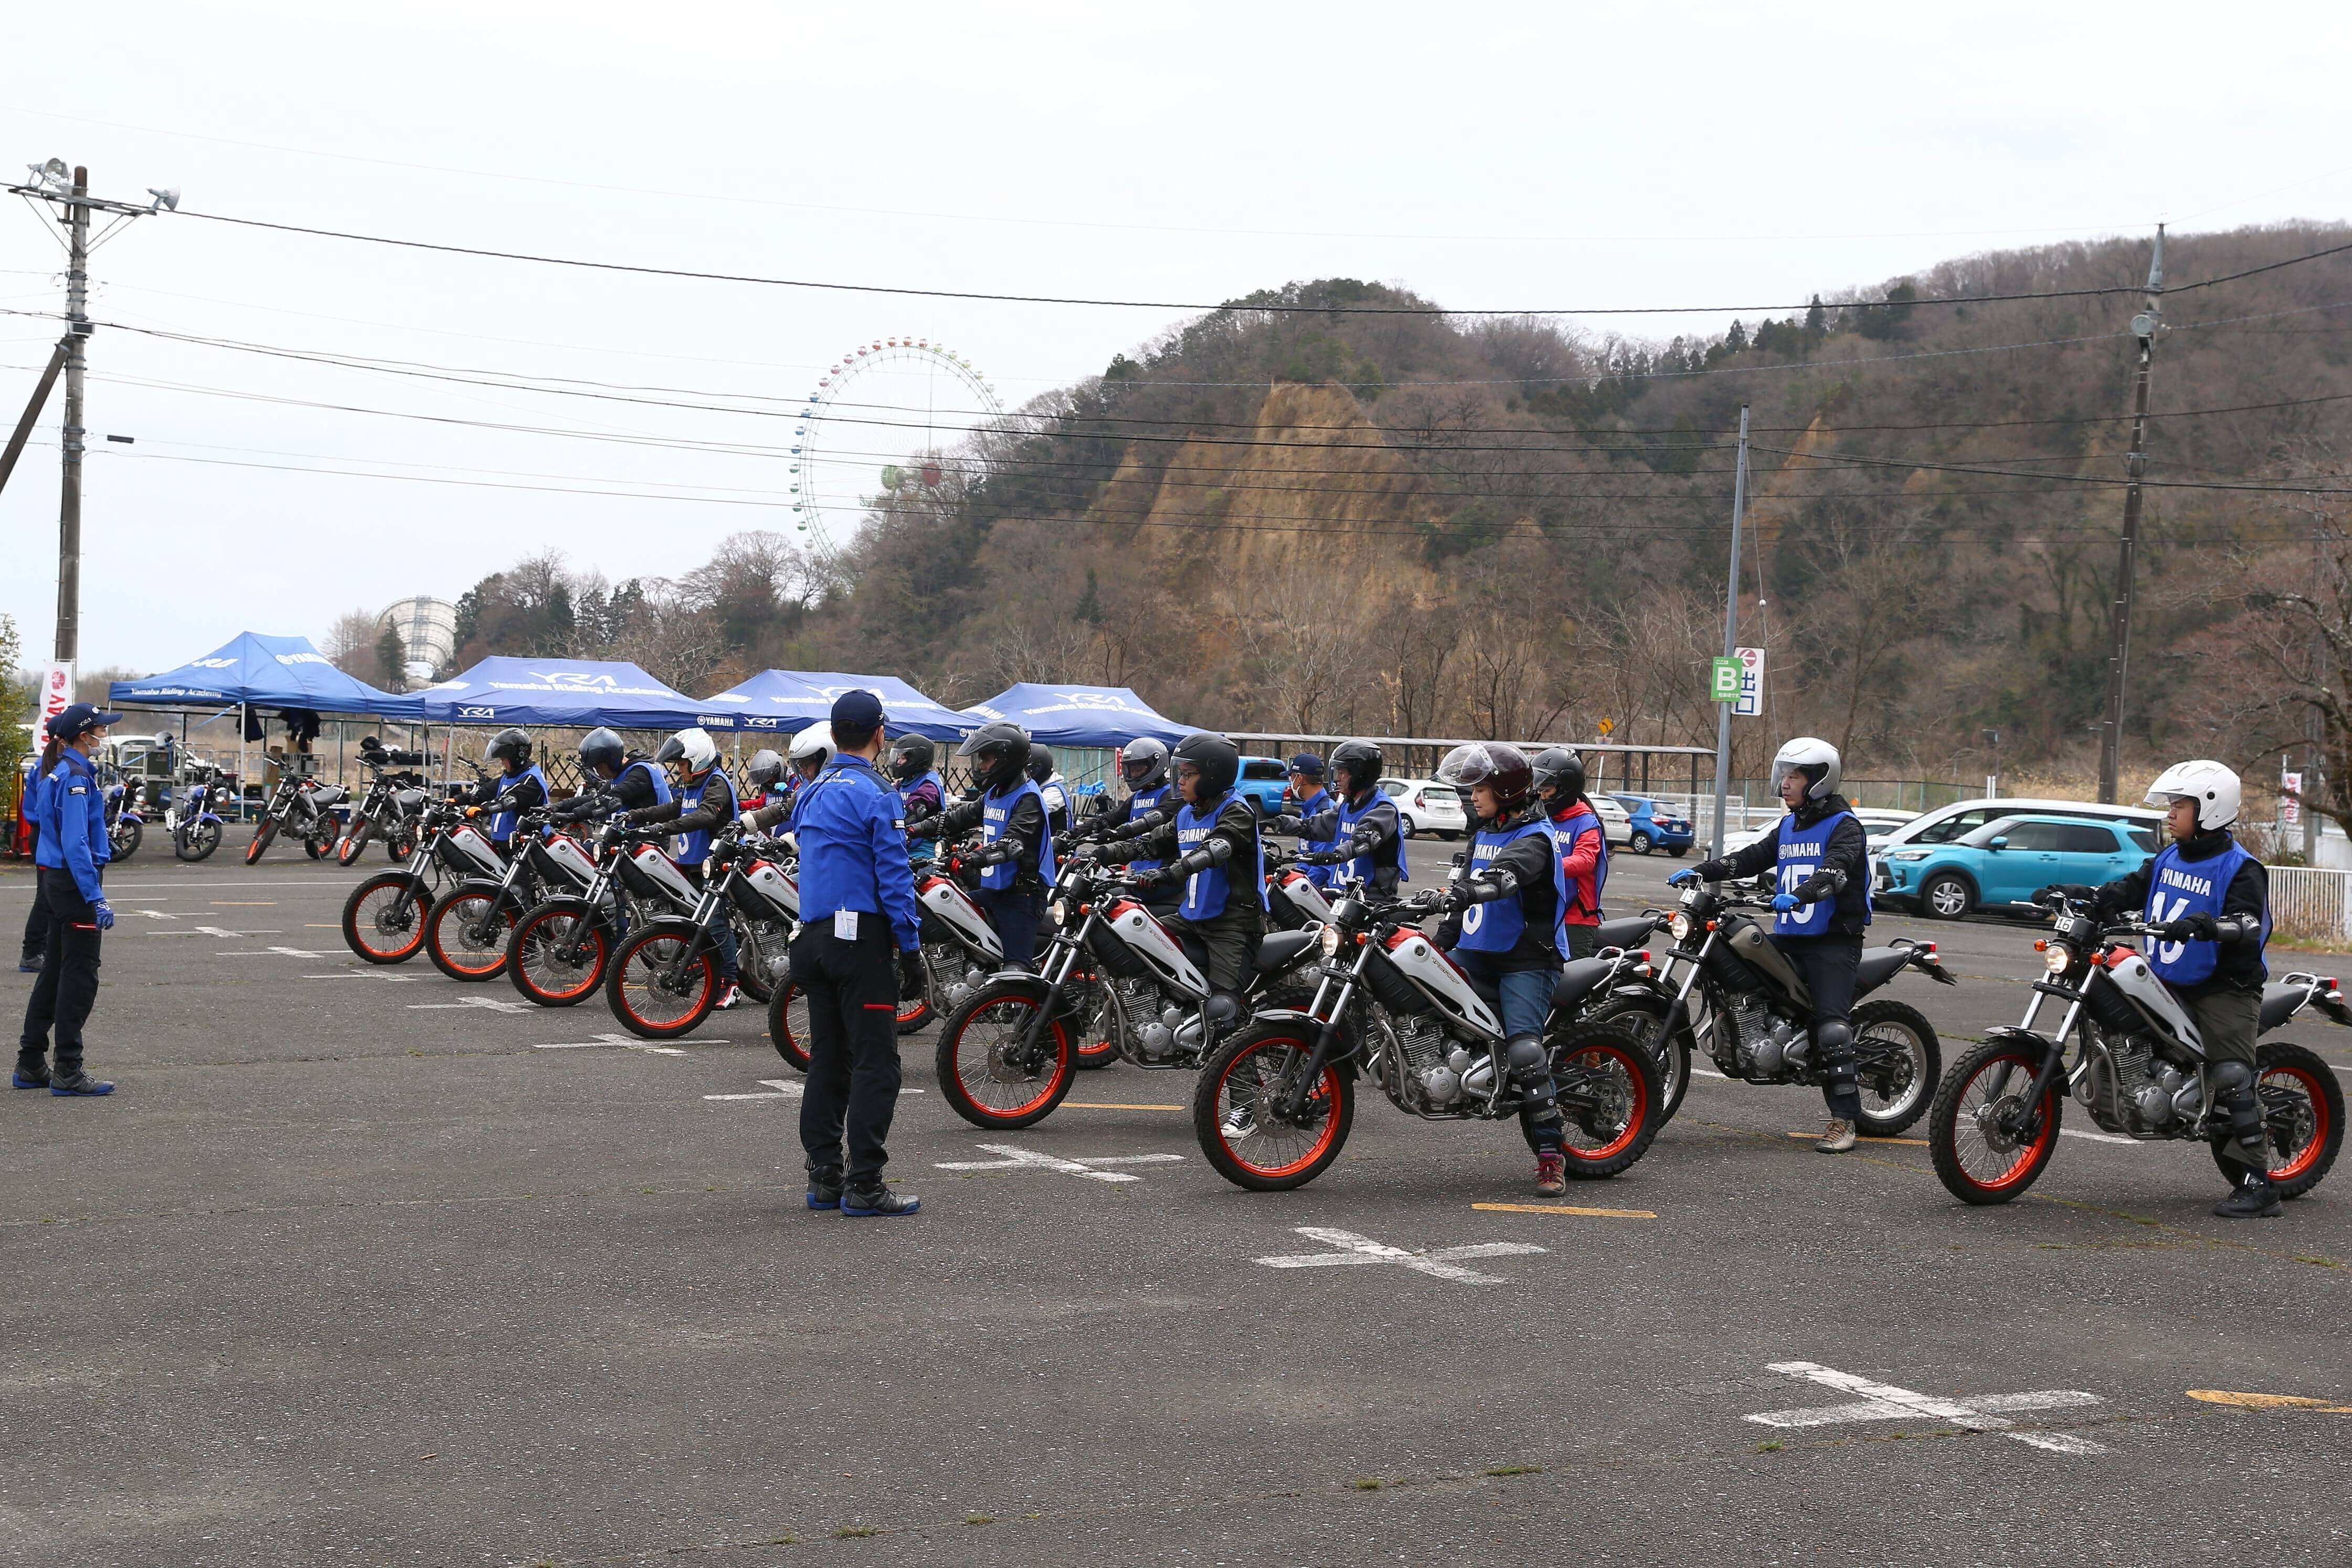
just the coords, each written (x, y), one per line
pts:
(384, 917)
(2139, 1068)
(663, 980)
(560, 949)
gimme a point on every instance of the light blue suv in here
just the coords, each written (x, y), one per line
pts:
(2009, 859)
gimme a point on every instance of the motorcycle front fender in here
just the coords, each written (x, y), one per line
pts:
(1344, 1054)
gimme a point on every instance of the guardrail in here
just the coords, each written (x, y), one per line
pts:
(2311, 903)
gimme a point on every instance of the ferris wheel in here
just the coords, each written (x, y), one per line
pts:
(881, 425)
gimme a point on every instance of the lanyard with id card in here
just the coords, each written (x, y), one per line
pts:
(845, 924)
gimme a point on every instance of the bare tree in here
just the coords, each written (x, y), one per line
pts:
(351, 644)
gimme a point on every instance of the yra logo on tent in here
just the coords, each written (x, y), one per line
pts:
(300, 658)
(1108, 700)
(575, 677)
(211, 663)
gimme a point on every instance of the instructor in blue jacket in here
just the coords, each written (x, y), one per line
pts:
(73, 850)
(858, 953)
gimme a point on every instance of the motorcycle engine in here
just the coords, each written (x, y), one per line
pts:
(1420, 1049)
(1157, 1041)
(2132, 1091)
(963, 983)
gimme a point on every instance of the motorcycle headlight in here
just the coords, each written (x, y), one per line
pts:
(1330, 941)
(1679, 927)
(1060, 910)
(710, 865)
(2056, 958)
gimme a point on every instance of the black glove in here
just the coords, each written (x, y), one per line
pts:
(2067, 891)
(1321, 858)
(910, 975)
(1086, 853)
(2190, 927)
(964, 872)
(1454, 895)
(926, 827)
(1154, 877)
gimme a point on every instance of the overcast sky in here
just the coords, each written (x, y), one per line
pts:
(1538, 156)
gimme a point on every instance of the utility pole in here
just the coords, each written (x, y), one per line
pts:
(1730, 634)
(2111, 733)
(51, 181)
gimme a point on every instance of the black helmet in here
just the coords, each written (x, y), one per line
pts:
(601, 750)
(1218, 759)
(367, 744)
(911, 758)
(1495, 763)
(1363, 763)
(1144, 762)
(509, 745)
(1560, 776)
(1040, 763)
(763, 770)
(999, 752)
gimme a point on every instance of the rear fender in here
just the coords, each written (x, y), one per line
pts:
(1924, 959)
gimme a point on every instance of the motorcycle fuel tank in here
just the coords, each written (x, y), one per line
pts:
(1131, 923)
(1305, 896)
(659, 869)
(2155, 999)
(945, 901)
(1749, 943)
(779, 891)
(570, 859)
(1421, 961)
(468, 842)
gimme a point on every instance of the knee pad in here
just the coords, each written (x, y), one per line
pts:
(2232, 1078)
(1836, 1038)
(1222, 1008)
(1524, 1053)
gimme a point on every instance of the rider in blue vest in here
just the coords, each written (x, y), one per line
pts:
(2213, 899)
(613, 780)
(1212, 850)
(1362, 833)
(1820, 859)
(704, 802)
(1015, 858)
(1503, 925)
(914, 768)
(1583, 845)
(1151, 800)
(520, 785)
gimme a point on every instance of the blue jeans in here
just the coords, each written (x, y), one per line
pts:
(1525, 993)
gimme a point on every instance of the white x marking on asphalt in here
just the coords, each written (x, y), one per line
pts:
(1884, 1402)
(1030, 1159)
(1439, 1262)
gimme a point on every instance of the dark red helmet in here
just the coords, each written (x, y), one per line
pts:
(1502, 767)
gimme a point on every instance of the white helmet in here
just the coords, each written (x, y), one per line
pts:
(1817, 760)
(2213, 787)
(815, 745)
(694, 749)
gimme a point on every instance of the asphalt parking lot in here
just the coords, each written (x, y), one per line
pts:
(364, 1266)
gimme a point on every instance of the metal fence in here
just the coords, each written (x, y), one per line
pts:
(2310, 903)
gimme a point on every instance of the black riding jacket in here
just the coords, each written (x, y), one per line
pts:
(716, 811)
(1845, 866)
(1379, 833)
(509, 792)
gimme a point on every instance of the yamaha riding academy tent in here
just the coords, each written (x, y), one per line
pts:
(1098, 716)
(566, 693)
(785, 699)
(257, 671)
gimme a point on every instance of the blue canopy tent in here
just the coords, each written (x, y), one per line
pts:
(256, 670)
(566, 693)
(784, 700)
(1096, 716)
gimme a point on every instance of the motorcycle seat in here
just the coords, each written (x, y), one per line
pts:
(1879, 965)
(1577, 979)
(2279, 1002)
(1630, 931)
(1277, 949)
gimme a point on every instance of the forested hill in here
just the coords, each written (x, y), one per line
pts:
(1306, 518)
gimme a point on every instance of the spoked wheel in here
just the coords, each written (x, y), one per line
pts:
(197, 840)
(384, 920)
(788, 1025)
(455, 936)
(1899, 1060)
(984, 1072)
(1234, 1113)
(319, 842)
(348, 849)
(1641, 1018)
(262, 836)
(647, 999)
(124, 836)
(1607, 1080)
(2303, 1112)
(1095, 1014)
(1987, 1146)
(400, 846)
(557, 954)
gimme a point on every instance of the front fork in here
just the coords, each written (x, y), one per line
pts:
(1290, 1104)
(2020, 1122)
(1061, 957)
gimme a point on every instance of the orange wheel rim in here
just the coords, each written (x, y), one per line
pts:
(1327, 1091)
(2308, 1155)
(1641, 1107)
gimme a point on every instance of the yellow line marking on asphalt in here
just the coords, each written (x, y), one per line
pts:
(1563, 1208)
(1866, 1138)
(1101, 1105)
(320, 925)
(2269, 1400)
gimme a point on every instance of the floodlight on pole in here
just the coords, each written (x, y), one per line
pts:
(167, 199)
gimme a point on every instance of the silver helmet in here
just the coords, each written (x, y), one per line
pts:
(1816, 759)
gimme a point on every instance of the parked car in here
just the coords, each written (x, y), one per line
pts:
(1425, 806)
(1651, 825)
(1616, 822)
(2008, 860)
(1264, 779)
(1947, 823)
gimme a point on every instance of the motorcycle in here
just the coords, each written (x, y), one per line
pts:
(1739, 994)
(388, 811)
(468, 930)
(124, 825)
(664, 977)
(1109, 971)
(302, 806)
(1275, 1103)
(2139, 1069)
(559, 950)
(195, 832)
(960, 951)
(1293, 902)
(385, 917)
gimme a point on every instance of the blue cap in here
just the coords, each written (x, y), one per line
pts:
(858, 709)
(77, 719)
(1307, 763)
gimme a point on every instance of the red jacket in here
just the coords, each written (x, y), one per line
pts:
(1581, 862)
